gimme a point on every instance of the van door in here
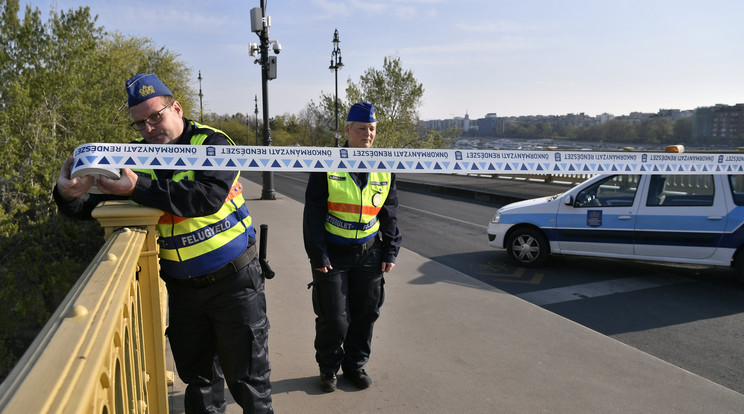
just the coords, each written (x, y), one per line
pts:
(680, 216)
(601, 219)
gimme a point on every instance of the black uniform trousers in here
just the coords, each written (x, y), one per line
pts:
(347, 302)
(226, 319)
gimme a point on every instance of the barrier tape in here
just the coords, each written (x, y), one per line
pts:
(302, 159)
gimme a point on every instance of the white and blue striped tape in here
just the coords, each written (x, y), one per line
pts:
(269, 158)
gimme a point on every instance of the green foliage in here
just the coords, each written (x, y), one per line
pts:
(289, 130)
(396, 95)
(659, 130)
(318, 120)
(235, 126)
(683, 130)
(61, 85)
(620, 130)
(37, 268)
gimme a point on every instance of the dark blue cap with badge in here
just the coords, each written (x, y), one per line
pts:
(362, 112)
(144, 86)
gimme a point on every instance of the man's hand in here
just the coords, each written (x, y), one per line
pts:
(387, 266)
(71, 189)
(324, 269)
(124, 186)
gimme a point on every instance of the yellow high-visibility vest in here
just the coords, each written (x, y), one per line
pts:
(194, 246)
(352, 211)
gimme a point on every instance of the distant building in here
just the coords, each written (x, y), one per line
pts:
(636, 118)
(580, 120)
(491, 125)
(604, 118)
(674, 114)
(728, 124)
(702, 125)
(720, 124)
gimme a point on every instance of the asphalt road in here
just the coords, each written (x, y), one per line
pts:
(691, 317)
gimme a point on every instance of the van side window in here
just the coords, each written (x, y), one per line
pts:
(737, 188)
(680, 190)
(614, 191)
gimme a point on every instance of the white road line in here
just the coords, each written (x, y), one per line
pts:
(597, 289)
(289, 177)
(418, 210)
(444, 217)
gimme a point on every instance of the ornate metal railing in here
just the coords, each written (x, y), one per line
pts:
(103, 350)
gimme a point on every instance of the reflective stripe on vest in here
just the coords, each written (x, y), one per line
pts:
(195, 246)
(352, 211)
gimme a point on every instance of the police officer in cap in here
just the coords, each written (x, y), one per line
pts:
(216, 300)
(350, 229)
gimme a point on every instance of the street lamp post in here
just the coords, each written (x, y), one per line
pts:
(201, 108)
(336, 64)
(260, 24)
(255, 111)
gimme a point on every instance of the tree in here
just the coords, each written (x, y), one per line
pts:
(620, 130)
(238, 127)
(319, 119)
(657, 131)
(396, 96)
(683, 130)
(61, 85)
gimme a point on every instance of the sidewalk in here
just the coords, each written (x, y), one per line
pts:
(447, 343)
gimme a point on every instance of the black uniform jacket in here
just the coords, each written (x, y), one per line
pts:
(186, 198)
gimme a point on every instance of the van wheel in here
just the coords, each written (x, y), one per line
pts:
(528, 247)
(739, 265)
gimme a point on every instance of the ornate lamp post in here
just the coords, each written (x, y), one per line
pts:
(336, 64)
(255, 111)
(201, 108)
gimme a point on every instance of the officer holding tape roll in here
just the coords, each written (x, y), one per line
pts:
(208, 257)
(350, 228)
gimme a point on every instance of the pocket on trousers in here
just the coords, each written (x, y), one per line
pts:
(260, 355)
(382, 293)
(322, 293)
(316, 300)
(256, 275)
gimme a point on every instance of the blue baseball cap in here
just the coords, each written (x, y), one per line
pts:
(362, 112)
(144, 86)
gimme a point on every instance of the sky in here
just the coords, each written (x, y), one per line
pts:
(475, 57)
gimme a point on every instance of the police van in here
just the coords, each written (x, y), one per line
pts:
(694, 219)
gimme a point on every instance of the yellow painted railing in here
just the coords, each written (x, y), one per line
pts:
(103, 350)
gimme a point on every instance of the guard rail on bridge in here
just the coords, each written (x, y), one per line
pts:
(103, 350)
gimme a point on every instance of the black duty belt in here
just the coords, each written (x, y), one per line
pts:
(227, 270)
(353, 249)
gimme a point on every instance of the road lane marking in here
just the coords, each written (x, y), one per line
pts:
(597, 289)
(415, 209)
(289, 177)
(443, 217)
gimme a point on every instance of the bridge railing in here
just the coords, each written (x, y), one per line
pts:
(572, 179)
(103, 350)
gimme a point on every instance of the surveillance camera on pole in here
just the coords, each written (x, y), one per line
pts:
(260, 24)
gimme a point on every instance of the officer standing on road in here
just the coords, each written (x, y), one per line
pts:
(350, 228)
(216, 300)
